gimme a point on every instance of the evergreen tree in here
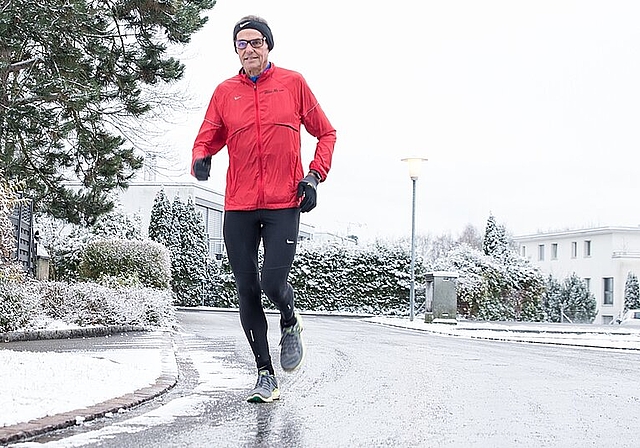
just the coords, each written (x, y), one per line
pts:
(579, 303)
(161, 219)
(9, 268)
(187, 242)
(631, 292)
(178, 264)
(76, 78)
(495, 243)
(194, 255)
(552, 300)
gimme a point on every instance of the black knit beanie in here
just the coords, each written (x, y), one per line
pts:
(255, 25)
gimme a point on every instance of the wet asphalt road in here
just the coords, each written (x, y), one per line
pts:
(366, 385)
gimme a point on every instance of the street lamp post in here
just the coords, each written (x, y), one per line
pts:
(415, 163)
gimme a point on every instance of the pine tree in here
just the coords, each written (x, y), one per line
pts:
(631, 292)
(161, 219)
(495, 243)
(174, 245)
(194, 254)
(76, 78)
(552, 300)
(9, 269)
(579, 303)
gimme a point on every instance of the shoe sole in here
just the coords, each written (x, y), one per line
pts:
(304, 349)
(257, 398)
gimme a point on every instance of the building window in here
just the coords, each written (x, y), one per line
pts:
(574, 249)
(608, 290)
(523, 251)
(587, 248)
(541, 252)
(607, 319)
(588, 283)
(554, 251)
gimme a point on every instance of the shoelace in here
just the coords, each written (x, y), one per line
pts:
(265, 382)
(288, 342)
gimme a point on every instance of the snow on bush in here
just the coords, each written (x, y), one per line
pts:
(131, 261)
(32, 305)
(16, 306)
(373, 278)
(503, 287)
(66, 242)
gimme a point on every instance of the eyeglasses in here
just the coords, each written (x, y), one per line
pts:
(255, 43)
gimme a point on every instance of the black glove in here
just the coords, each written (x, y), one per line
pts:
(201, 168)
(307, 191)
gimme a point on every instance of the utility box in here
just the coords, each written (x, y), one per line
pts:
(441, 305)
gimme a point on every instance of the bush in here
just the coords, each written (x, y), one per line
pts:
(371, 279)
(66, 242)
(128, 262)
(86, 304)
(32, 305)
(16, 306)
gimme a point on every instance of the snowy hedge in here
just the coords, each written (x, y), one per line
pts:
(33, 305)
(329, 277)
(507, 287)
(131, 261)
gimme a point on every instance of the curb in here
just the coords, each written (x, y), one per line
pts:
(70, 333)
(36, 427)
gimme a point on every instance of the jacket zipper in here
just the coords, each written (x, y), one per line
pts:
(261, 200)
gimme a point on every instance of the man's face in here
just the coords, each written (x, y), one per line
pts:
(253, 60)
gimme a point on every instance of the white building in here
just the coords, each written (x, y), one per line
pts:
(140, 196)
(602, 256)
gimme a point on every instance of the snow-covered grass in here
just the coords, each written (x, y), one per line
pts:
(38, 384)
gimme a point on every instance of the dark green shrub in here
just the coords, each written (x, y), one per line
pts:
(145, 261)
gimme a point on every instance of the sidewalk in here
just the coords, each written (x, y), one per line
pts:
(56, 379)
(54, 382)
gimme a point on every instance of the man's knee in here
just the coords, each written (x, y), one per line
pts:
(248, 287)
(276, 288)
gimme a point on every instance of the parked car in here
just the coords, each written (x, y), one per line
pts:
(631, 318)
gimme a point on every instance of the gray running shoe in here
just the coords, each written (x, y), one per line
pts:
(291, 346)
(266, 389)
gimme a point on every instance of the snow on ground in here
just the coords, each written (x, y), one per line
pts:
(37, 384)
(595, 336)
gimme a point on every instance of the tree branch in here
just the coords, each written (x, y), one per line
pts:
(16, 67)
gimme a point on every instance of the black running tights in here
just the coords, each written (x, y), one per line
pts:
(278, 231)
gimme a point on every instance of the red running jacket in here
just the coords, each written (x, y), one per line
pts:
(260, 125)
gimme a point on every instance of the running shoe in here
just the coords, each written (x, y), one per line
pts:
(266, 389)
(291, 346)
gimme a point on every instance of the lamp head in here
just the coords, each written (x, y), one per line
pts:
(415, 165)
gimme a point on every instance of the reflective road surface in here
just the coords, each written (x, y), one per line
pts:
(367, 385)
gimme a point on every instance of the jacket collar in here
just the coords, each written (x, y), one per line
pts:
(267, 72)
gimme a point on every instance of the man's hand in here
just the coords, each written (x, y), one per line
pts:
(201, 168)
(307, 191)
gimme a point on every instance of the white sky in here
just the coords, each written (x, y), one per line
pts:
(527, 110)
